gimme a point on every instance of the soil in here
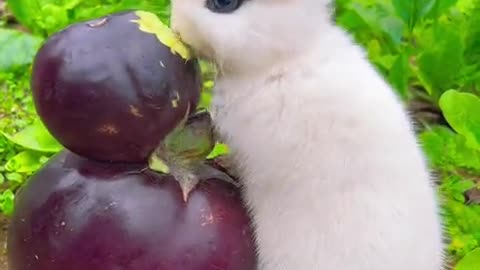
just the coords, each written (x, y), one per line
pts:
(3, 242)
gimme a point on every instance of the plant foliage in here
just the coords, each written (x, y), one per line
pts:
(428, 50)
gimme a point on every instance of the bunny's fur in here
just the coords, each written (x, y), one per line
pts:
(330, 165)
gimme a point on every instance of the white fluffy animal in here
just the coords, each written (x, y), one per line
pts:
(327, 155)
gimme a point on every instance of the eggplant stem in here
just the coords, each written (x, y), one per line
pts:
(187, 183)
(184, 151)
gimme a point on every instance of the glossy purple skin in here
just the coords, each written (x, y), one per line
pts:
(112, 92)
(75, 214)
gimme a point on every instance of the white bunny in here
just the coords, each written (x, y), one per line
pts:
(330, 165)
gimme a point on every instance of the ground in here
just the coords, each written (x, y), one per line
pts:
(3, 242)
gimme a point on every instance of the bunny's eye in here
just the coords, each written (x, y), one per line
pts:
(223, 6)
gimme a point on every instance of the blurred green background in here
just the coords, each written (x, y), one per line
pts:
(429, 50)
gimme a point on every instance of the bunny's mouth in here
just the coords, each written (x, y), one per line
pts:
(201, 50)
(198, 47)
(193, 49)
(205, 53)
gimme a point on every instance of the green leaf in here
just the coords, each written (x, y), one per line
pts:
(394, 28)
(350, 19)
(434, 144)
(470, 262)
(7, 200)
(467, 5)
(71, 4)
(412, 11)
(24, 10)
(423, 7)
(445, 148)
(404, 9)
(463, 238)
(440, 7)
(399, 74)
(365, 13)
(52, 24)
(48, 16)
(25, 162)
(17, 49)
(14, 178)
(462, 111)
(36, 137)
(219, 150)
(441, 62)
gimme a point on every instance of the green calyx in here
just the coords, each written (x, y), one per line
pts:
(187, 145)
(184, 151)
(195, 140)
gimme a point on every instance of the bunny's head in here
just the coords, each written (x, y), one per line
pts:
(248, 35)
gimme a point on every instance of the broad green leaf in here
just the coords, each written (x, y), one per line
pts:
(350, 20)
(36, 137)
(367, 14)
(17, 49)
(399, 73)
(462, 111)
(394, 28)
(24, 11)
(440, 8)
(470, 262)
(423, 7)
(412, 11)
(441, 62)
(25, 162)
(404, 9)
